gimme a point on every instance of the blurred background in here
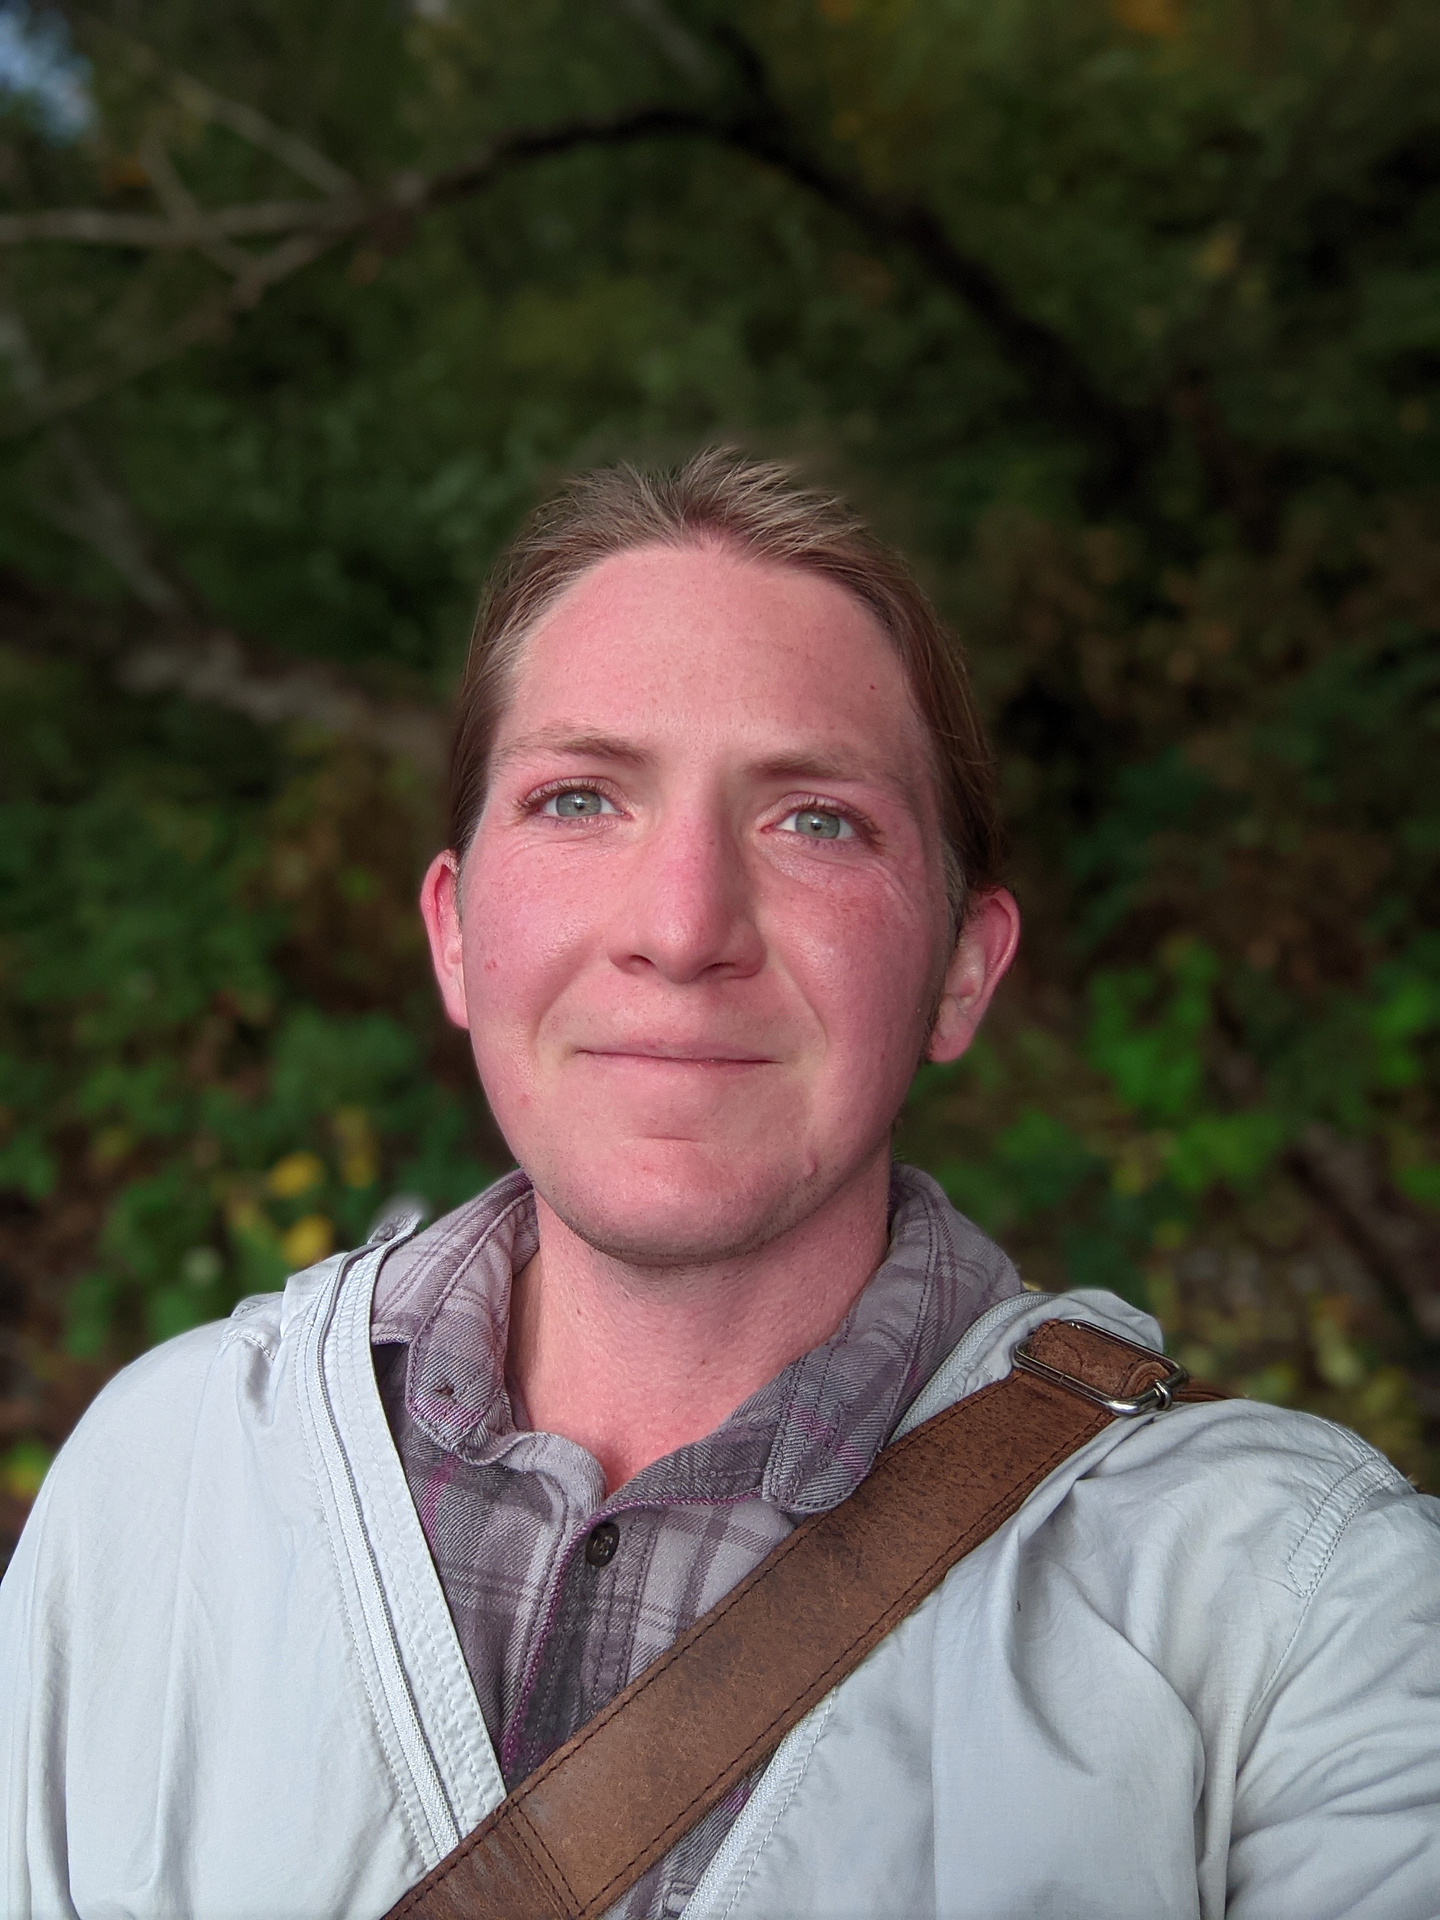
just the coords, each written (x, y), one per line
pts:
(1121, 316)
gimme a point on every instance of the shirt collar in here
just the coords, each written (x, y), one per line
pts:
(804, 1440)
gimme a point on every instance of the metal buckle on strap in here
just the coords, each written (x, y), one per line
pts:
(1155, 1399)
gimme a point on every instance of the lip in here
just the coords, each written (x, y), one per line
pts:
(698, 1054)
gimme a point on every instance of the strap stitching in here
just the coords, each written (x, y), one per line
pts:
(518, 1827)
(542, 1862)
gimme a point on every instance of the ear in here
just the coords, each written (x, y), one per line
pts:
(440, 910)
(983, 952)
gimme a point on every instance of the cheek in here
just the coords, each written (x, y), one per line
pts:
(867, 971)
(526, 929)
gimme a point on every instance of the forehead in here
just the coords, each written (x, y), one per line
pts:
(705, 644)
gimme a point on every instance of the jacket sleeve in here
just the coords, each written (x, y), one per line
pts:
(1337, 1807)
(34, 1669)
(73, 1657)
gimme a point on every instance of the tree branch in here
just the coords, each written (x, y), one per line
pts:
(216, 667)
(94, 226)
(100, 517)
(95, 513)
(1058, 380)
(681, 48)
(207, 320)
(183, 208)
(1060, 387)
(180, 653)
(303, 160)
(298, 155)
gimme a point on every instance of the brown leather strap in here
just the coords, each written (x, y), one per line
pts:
(580, 1831)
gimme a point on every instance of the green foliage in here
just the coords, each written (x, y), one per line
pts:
(159, 1046)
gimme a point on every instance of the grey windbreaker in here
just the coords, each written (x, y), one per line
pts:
(1197, 1674)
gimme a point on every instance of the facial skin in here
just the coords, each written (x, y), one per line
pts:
(703, 907)
(698, 942)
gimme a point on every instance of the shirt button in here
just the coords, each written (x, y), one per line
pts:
(600, 1547)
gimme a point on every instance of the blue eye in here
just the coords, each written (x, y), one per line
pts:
(818, 823)
(577, 803)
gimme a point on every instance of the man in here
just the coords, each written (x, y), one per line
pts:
(308, 1591)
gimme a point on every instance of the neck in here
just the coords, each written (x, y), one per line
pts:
(633, 1362)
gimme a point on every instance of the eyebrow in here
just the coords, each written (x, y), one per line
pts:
(801, 766)
(813, 766)
(585, 746)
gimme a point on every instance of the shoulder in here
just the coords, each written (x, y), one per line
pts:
(108, 1521)
(1227, 1472)
(1298, 1616)
(154, 1402)
(1290, 1473)
(166, 1429)
(1205, 1535)
(1256, 1497)
(138, 1429)
(1222, 1541)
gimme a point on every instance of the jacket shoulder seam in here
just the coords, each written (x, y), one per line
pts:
(1342, 1500)
(250, 1337)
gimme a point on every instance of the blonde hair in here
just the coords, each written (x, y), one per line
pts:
(762, 510)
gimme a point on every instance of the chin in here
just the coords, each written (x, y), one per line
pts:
(680, 1215)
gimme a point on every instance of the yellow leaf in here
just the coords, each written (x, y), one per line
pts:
(297, 1173)
(308, 1240)
(359, 1149)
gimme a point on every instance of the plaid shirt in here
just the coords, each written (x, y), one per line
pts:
(560, 1595)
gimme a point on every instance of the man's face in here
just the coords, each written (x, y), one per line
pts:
(702, 913)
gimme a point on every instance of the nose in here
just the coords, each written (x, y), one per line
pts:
(687, 908)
